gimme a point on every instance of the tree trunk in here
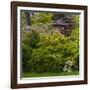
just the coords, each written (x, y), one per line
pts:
(28, 21)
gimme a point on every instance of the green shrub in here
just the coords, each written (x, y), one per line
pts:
(50, 52)
(26, 55)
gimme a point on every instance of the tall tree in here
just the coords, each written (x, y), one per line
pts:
(28, 21)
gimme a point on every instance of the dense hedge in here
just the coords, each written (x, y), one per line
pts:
(50, 52)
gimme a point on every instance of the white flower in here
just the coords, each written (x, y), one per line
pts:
(67, 66)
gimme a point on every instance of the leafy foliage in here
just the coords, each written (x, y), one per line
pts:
(45, 50)
(49, 52)
(43, 17)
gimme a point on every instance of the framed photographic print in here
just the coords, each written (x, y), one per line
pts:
(48, 44)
